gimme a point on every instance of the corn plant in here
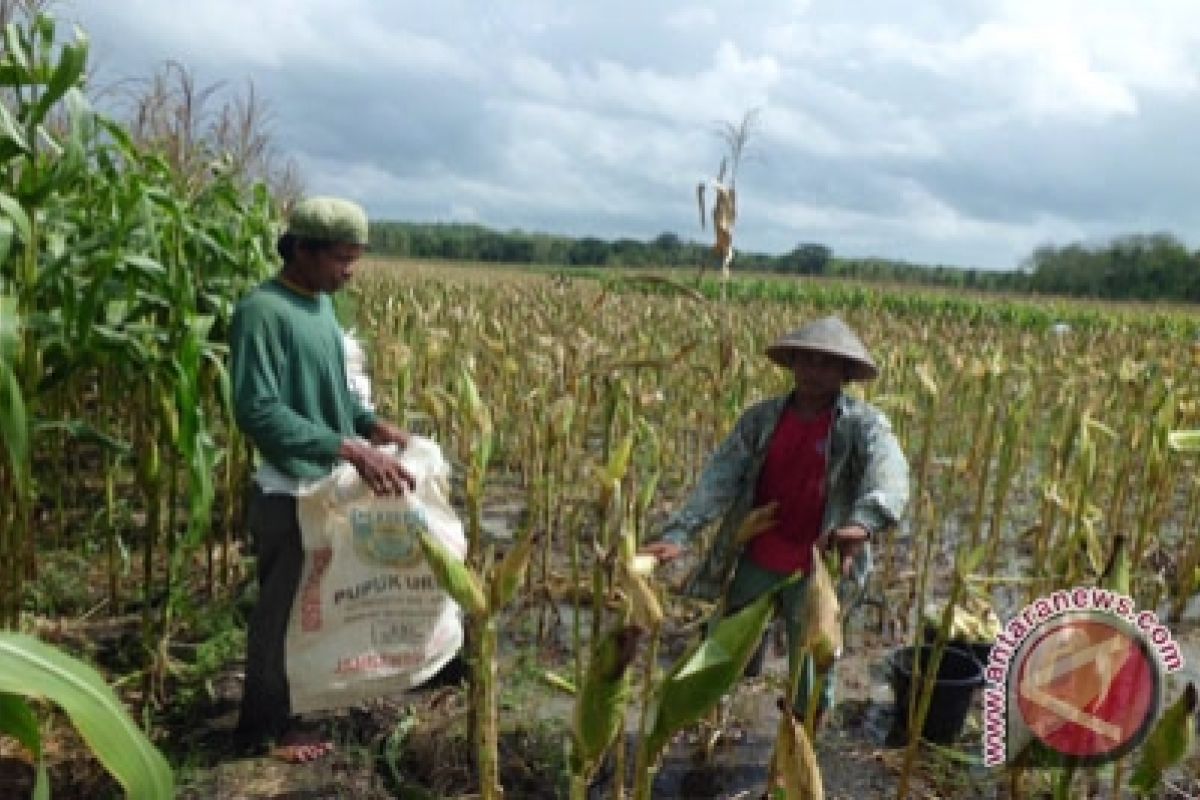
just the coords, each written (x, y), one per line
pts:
(31, 669)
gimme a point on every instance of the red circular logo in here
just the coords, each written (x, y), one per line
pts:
(1087, 686)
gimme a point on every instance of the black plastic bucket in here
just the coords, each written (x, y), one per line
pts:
(959, 674)
(981, 650)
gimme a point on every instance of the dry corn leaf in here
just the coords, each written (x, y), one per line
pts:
(794, 770)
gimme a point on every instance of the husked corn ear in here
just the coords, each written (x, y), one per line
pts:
(643, 564)
(455, 577)
(600, 703)
(511, 571)
(644, 603)
(758, 520)
(820, 616)
(794, 769)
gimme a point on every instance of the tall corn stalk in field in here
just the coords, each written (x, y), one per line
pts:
(126, 273)
(34, 79)
(15, 482)
(724, 209)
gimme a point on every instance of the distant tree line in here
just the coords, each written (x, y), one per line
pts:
(1139, 266)
(463, 242)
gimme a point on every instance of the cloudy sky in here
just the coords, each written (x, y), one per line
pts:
(961, 132)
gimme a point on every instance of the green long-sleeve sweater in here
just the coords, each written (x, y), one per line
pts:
(290, 393)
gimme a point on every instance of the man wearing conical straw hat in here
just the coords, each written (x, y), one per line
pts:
(819, 467)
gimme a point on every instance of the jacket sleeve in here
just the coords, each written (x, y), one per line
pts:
(256, 351)
(720, 483)
(364, 418)
(883, 488)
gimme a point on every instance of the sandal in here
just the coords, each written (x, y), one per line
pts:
(301, 746)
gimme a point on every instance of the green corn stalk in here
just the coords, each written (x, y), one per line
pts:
(1006, 469)
(966, 563)
(931, 399)
(600, 704)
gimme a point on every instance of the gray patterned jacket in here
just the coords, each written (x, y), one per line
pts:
(866, 484)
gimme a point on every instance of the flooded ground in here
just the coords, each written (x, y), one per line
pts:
(413, 746)
(857, 759)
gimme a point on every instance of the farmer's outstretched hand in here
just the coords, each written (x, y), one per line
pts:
(663, 551)
(849, 541)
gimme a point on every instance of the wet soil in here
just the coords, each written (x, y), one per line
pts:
(414, 745)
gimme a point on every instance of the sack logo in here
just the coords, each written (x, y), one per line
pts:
(388, 537)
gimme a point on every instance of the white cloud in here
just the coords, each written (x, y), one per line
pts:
(1070, 60)
(954, 132)
(348, 35)
(537, 77)
(692, 19)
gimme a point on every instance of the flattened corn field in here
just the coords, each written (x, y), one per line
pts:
(1038, 430)
(577, 409)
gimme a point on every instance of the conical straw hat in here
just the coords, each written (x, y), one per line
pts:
(827, 335)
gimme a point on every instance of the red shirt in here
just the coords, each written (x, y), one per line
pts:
(794, 475)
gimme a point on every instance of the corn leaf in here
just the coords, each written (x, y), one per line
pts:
(1169, 742)
(969, 560)
(71, 63)
(454, 576)
(698, 680)
(556, 681)
(758, 520)
(33, 669)
(618, 461)
(12, 209)
(17, 720)
(600, 702)
(1116, 574)
(511, 571)
(1184, 441)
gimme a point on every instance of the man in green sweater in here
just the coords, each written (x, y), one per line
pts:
(292, 400)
